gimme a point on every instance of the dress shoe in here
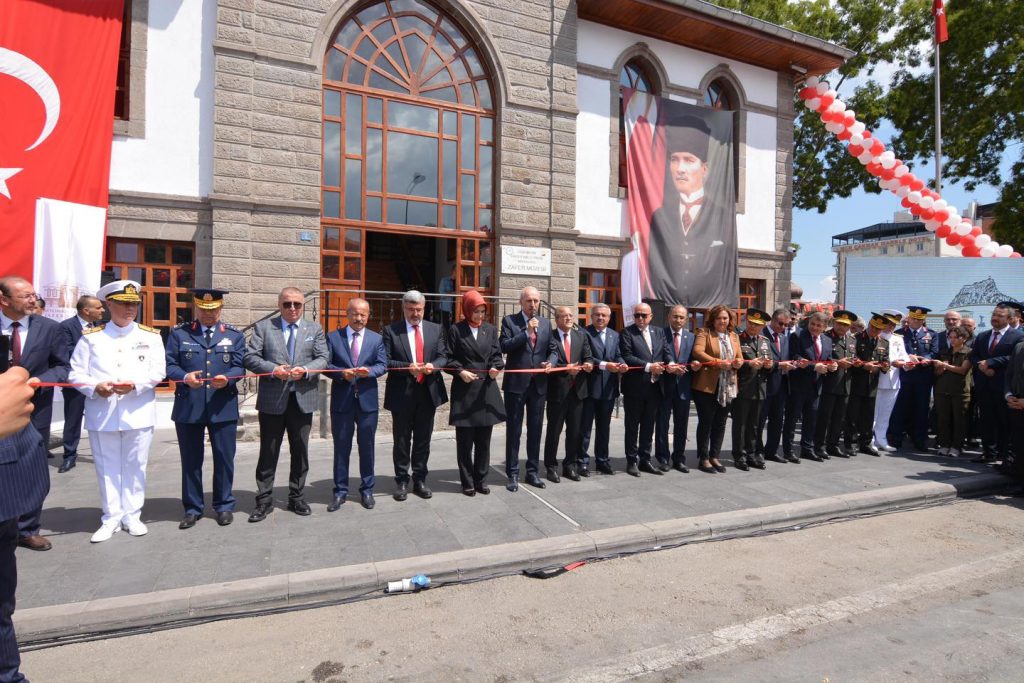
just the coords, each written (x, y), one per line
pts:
(776, 458)
(368, 501)
(225, 517)
(401, 493)
(663, 466)
(821, 453)
(705, 466)
(513, 484)
(299, 507)
(954, 453)
(333, 505)
(188, 521)
(887, 448)
(719, 467)
(869, 449)
(535, 481)
(605, 468)
(680, 467)
(984, 459)
(758, 463)
(552, 475)
(469, 492)
(740, 464)
(632, 470)
(34, 542)
(105, 532)
(584, 472)
(483, 489)
(68, 464)
(260, 512)
(570, 473)
(646, 466)
(810, 455)
(420, 489)
(135, 528)
(836, 452)
(793, 459)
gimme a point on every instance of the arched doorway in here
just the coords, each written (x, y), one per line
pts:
(408, 155)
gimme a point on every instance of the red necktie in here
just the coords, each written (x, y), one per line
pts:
(533, 337)
(677, 335)
(778, 346)
(15, 343)
(687, 218)
(991, 347)
(565, 341)
(355, 349)
(419, 352)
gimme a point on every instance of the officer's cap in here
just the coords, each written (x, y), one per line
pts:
(919, 312)
(892, 316)
(125, 291)
(879, 321)
(845, 317)
(208, 299)
(757, 316)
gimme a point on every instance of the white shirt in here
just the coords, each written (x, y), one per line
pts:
(84, 323)
(410, 334)
(5, 326)
(112, 354)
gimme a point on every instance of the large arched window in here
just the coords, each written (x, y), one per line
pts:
(720, 94)
(634, 75)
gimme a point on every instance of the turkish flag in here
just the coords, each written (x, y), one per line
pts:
(58, 68)
(939, 10)
(645, 150)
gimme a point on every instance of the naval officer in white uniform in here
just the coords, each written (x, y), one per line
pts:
(889, 381)
(119, 364)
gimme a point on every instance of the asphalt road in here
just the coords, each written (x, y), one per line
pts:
(927, 595)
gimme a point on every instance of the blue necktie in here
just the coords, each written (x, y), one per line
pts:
(291, 343)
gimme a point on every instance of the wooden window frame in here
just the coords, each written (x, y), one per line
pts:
(608, 293)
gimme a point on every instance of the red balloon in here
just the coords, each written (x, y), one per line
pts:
(906, 203)
(873, 168)
(941, 215)
(927, 214)
(826, 101)
(975, 231)
(915, 209)
(971, 252)
(942, 230)
(1015, 254)
(866, 134)
(855, 150)
(845, 135)
(888, 173)
(917, 185)
(952, 240)
(907, 179)
(967, 241)
(877, 147)
(808, 93)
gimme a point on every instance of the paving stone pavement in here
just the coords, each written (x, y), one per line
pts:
(77, 571)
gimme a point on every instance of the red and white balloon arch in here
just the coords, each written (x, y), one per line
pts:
(939, 217)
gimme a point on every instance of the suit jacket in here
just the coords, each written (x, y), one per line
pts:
(519, 354)
(24, 475)
(997, 359)
(801, 346)
(363, 390)
(187, 351)
(678, 386)
(838, 383)
(398, 391)
(72, 328)
(1013, 380)
(268, 348)
(706, 347)
(45, 356)
(752, 381)
(634, 352)
(477, 403)
(778, 381)
(561, 384)
(867, 349)
(603, 385)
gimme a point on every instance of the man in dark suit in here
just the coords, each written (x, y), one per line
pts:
(24, 483)
(290, 349)
(644, 350)
(567, 389)
(205, 357)
(1013, 393)
(990, 355)
(910, 414)
(811, 350)
(89, 312)
(773, 409)
(357, 359)
(38, 345)
(602, 390)
(524, 341)
(835, 388)
(414, 390)
(675, 385)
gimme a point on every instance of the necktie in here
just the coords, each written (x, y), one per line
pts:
(291, 343)
(209, 336)
(685, 215)
(15, 343)
(647, 340)
(355, 349)
(533, 337)
(565, 343)
(419, 351)
(677, 343)
(991, 347)
(778, 345)
(817, 348)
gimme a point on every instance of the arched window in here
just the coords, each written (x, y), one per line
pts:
(719, 96)
(634, 75)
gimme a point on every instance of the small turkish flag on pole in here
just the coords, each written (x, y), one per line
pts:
(939, 10)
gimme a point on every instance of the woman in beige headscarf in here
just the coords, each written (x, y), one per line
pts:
(714, 386)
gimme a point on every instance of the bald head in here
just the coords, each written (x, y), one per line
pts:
(529, 300)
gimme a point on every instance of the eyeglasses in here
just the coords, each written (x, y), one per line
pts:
(641, 316)
(292, 304)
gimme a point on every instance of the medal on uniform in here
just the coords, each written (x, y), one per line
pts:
(188, 355)
(227, 357)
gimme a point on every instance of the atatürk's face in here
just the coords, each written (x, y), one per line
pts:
(687, 171)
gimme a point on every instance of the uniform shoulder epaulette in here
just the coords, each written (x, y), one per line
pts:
(147, 328)
(91, 330)
(230, 327)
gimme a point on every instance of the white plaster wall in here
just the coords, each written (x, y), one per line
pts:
(596, 212)
(176, 155)
(755, 227)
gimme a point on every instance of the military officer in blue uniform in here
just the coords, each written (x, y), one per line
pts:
(203, 357)
(910, 415)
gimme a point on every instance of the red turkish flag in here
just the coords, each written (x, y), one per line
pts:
(58, 68)
(645, 149)
(939, 10)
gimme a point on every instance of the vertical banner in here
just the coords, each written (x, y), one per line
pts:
(681, 204)
(58, 69)
(68, 254)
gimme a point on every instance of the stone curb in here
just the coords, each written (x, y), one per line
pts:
(309, 588)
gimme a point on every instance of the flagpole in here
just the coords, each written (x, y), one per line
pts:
(938, 118)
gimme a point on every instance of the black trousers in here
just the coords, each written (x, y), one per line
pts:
(10, 660)
(567, 412)
(296, 424)
(745, 416)
(910, 414)
(597, 417)
(995, 422)
(532, 403)
(773, 412)
(860, 421)
(1017, 438)
(676, 410)
(473, 452)
(30, 522)
(641, 416)
(802, 404)
(413, 426)
(831, 420)
(711, 419)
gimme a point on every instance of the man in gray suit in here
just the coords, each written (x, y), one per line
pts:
(289, 348)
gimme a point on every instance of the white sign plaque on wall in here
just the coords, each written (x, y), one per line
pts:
(525, 261)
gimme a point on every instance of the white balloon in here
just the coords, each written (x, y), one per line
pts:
(851, 113)
(914, 197)
(963, 229)
(831, 92)
(982, 240)
(888, 154)
(952, 210)
(821, 88)
(812, 82)
(953, 220)
(931, 226)
(858, 128)
(856, 139)
(838, 105)
(865, 158)
(888, 162)
(987, 251)
(812, 103)
(939, 204)
(926, 202)
(1004, 251)
(901, 171)
(903, 191)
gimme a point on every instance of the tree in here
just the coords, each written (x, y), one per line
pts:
(982, 104)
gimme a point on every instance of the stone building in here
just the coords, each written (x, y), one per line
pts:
(374, 145)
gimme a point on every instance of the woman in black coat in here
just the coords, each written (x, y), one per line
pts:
(474, 360)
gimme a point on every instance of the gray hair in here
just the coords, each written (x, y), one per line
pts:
(413, 296)
(601, 305)
(778, 313)
(818, 317)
